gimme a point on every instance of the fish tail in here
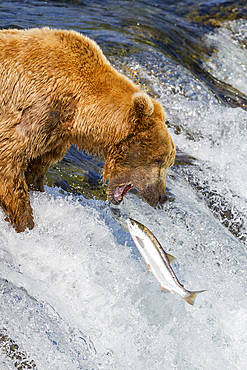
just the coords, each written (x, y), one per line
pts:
(190, 298)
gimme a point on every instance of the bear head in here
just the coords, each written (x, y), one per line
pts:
(142, 158)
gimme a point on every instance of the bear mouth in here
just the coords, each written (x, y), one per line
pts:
(120, 191)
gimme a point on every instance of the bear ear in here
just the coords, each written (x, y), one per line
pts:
(142, 104)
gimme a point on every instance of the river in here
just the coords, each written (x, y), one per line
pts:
(74, 294)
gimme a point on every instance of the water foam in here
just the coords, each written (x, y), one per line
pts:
(96, 289)
(76, 295)
(229, 62)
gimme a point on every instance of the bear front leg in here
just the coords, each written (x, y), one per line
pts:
(37, 168)
(14, 199)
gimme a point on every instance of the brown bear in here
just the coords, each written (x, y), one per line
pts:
(57, 89)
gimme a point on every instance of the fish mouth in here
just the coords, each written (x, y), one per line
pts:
(119, 192)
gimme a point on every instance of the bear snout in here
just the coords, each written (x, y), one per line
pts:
(163, 198)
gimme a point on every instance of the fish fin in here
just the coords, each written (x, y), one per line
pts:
(170, 258)
(192, 295)
(148, 269)
(139, 239)
(141, 242)
(164, 290)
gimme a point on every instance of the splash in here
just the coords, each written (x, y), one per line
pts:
(229, 61)
(74, 294)
(89, 304)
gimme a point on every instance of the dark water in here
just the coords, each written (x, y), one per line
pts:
(191, 55)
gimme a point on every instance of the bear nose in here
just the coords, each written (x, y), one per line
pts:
(163, 198)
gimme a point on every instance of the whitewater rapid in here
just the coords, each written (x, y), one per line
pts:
(74, 294)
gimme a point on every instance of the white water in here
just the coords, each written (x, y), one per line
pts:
(77, 296)
(229, 62)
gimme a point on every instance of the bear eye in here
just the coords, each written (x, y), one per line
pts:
(158, 161)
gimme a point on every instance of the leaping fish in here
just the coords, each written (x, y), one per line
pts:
(158, 261)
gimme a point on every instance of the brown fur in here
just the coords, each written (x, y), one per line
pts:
(57, 89)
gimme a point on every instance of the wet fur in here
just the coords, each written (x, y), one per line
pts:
(57, 90)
